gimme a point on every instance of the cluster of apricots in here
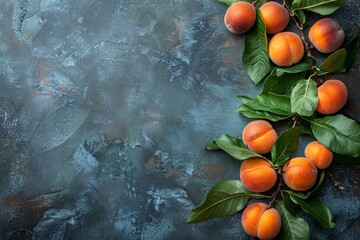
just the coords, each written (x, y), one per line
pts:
(285, 47)
(259, 175)
(299, 173)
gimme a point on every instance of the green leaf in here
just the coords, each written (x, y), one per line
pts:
(212, 146)
(328, 9)
(289, 205)
(323, 7)
(255, 58)
(298, 68)
(352, 49)
(233, 146)
(282, 84)
(285, 146)
(339, 133)
(270, 102)
(305, 195)
(304, 97)
(293, 228)
(334, 61)
(224, 199)
(266, 106)
(261, 1)
(256, 114)
(305, 127)
(316, 209)
(301, 16)
(230, 139)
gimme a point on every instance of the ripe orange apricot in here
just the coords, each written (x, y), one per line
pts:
(257, 174)
(332, 96)
(240, 17)
(318, 154)
(286, 49)
(260, 221)
(275, 17)
(259, 136)
(326, 35)
(299, 174)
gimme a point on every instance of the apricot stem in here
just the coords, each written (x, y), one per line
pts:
(274, 195)
(308, 46)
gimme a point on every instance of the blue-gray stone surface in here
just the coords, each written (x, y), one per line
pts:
(106, 107)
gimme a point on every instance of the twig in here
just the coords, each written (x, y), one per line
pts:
(336, 183)
(274, 195)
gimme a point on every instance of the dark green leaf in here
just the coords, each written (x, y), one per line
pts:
(261, 1)
(270, 102)
(339, 133)
(231, 140)
(323, 7)
(289, 205)
(316, 209)
(328, 9)
(282, 84)
(301, 16)
(334, 61)
(212, 146)
(304, 97)
(352, 49)
(256, 114)
(246, 100)
(255, 57)
(293, 228)
(266, 106)
(285, 146)
(232, 146)
(224, 199)
(305, 127)
(298, 68)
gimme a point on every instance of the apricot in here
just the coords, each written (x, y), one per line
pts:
(259, 136)
(286, 49)
(275, 17)
(260, 221)
(326, 35)
(318, 154)
(332, 96)
(257, 174)
(240, 17)
(299, 174)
